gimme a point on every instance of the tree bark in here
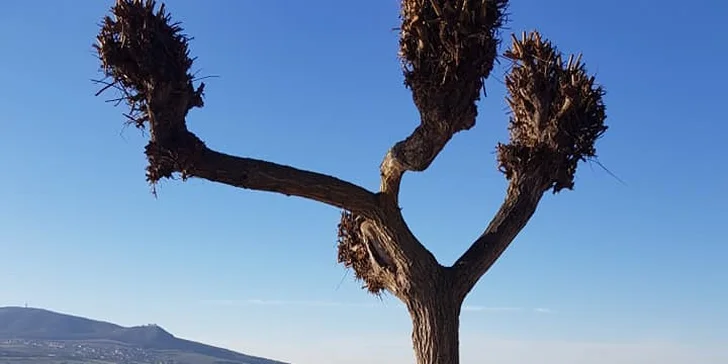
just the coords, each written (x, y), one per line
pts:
(436, 326)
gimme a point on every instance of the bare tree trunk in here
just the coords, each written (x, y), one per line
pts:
(435, 327)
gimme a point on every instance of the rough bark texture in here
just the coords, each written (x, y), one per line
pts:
(520, 204)
(447, 48)
(435, 331)
(435, 314)
(190, 157)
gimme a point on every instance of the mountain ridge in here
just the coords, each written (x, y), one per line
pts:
(37, 324)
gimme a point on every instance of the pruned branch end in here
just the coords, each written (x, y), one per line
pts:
(557, 114)
(141, 49)
(448, 48)
(146, 56)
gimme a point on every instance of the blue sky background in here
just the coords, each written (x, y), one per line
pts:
(607, 273)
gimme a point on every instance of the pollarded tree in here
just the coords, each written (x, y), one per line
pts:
(447, 48)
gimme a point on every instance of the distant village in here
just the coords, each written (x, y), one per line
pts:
(70, 350)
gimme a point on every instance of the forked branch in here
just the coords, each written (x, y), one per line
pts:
(146, 55)
(447, 48)
(557, 116)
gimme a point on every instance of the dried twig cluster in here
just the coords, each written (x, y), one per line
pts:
(138, 45)
(448, 48)
(557, 114)
(146, 55)
(354, 253)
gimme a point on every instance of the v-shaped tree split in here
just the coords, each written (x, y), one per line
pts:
(447, 48)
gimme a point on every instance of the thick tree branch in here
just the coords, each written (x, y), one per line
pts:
(415, 153)
(558, 115)
(520, 204)
(267, 176)
(146, 56)
(447, 48)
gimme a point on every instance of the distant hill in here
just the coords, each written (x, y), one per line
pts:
(42, 336)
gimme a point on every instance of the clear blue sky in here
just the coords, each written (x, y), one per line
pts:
(607, 273)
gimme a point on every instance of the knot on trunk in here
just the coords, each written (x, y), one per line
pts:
(447, 49)
(557, 114)
(418, 150)
(360, 248)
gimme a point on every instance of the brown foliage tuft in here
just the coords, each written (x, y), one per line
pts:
(448, 48)
(354, 253)
(146, 57)
(139, 48)
(558, 114)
